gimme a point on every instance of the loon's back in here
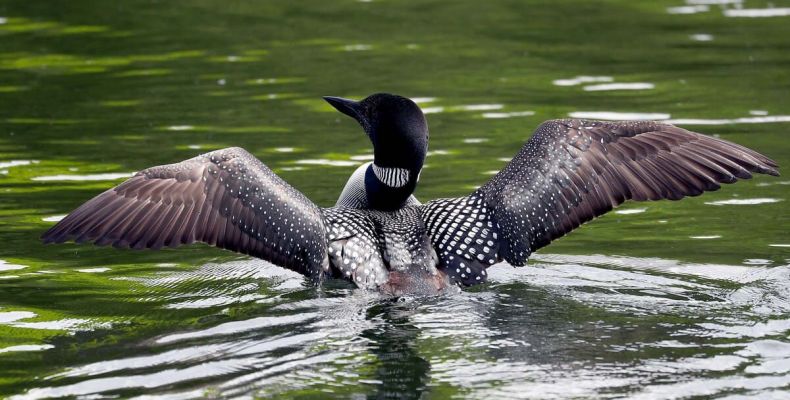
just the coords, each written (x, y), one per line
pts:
(389, 250)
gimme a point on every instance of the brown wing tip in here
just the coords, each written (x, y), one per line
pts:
(766, 166)
(770, 168)
(771, 171)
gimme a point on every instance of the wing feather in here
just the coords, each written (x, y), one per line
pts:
(225, 198)
(571, 171)
(607, 163)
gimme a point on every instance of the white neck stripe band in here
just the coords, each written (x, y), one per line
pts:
(392, 177)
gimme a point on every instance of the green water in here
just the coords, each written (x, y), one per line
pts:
(683, 299)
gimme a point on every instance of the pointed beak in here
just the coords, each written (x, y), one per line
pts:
(349, 107)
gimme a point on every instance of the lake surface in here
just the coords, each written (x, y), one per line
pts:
(658, 300)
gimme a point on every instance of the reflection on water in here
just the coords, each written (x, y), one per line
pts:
(617, 116)
(619, 86)
(26, 347)
(631, 211)
(508, 114)
(16, 163)
(654, 300)
(701, 37)
(694, 9)
(565, 325)
(743, 201)
(582, 79)
(758, 12)
(6, 266)
(90, 177)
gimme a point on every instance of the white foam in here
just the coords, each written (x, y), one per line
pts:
(758, 12)
(284, 149)
(620, 86)
(739, 202)
(3, 20)
(91, 177)
(758, 112)
(779, 245)
(579, 79)
(618, 116)
(475, 140)
(706, 237)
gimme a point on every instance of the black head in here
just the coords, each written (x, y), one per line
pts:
(395, 125)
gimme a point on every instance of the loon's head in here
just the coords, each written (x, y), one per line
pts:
(397, 129)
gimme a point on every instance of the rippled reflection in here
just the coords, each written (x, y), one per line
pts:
(90, 91)
(565, 325)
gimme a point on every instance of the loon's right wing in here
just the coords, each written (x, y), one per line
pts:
(571, 171)
(226, 198)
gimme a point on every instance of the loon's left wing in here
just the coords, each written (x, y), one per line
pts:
(226, 198)
(569, 172)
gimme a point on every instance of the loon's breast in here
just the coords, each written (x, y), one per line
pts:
(390, 251)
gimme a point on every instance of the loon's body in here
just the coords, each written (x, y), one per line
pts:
(378, 235)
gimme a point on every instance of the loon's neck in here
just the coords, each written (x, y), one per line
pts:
(387, 189)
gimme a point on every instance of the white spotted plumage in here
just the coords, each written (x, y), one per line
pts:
(568, 173)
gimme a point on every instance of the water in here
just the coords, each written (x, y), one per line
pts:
(660, 300)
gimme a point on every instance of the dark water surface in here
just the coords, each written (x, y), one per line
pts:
(660, 300)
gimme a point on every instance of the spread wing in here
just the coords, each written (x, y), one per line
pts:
(571, 171)
(225, 198)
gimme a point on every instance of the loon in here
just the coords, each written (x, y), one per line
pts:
(379, 236)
